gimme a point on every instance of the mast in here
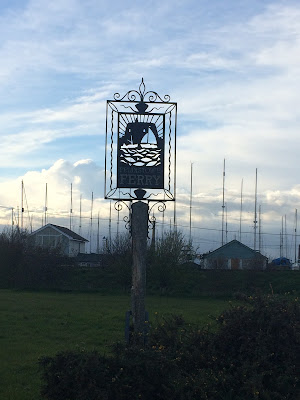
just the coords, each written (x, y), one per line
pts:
(223, 203)
(226, 229)
(91, 225)
(80, 215)
(12, 222)
(241, 211)
(46, 204)
(163, 221)
(71, 208)
(27, 208)
(118, 218)
(22, 203)
(174, 217)
(255, 211)
(109, 226)
(281, 238)
(296, 236)
(98, 235)
(259, 228)
(285, 237)
(191, 198)
(153, 239)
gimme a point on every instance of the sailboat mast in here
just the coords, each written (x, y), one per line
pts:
(109, 226)
(98, 235)
(223, 203)
(296, 235)
(118, 218)
(22, 204)
(281, 238)
(163, 222)
(226, 227)
(12, 222)
(285, 237)
(174, 216)
(191, 199)
(259, 228)
(255, 211)
(241, 211)
(71, 208)
(91, 225)
(46, 204)
(80, 214)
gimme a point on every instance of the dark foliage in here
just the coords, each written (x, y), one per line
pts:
(165, 259)
(11, 254)
(252, 355)
(24, 266)
(121, 260)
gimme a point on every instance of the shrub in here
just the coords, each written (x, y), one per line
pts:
(12, 246)
(121, 260)
(23, 265)
(170, 252)
(251, 355)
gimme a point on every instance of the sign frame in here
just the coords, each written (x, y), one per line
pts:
(133, 162)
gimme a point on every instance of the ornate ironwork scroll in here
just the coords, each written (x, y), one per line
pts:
(140, 146)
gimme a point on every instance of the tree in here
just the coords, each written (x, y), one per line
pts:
(120, 248)
(12, 249)
(24, 265)
(170, 252)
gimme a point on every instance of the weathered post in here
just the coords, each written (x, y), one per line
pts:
(139, 231)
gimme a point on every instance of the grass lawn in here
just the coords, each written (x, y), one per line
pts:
(35, 324)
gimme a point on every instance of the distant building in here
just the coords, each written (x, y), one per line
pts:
(234, 255)
(69, 242)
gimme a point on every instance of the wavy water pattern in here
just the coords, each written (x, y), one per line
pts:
(143, 155)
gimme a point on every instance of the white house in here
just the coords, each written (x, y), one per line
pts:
(69, 242)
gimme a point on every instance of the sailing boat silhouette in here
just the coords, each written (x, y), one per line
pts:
(137, 131)
(141, 144)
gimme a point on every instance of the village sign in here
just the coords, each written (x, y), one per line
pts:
(140, 146)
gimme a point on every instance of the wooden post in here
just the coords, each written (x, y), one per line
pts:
(139, 231)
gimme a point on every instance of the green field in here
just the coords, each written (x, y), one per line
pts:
(35, 324)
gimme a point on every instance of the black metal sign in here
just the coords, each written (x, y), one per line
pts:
(140, 131)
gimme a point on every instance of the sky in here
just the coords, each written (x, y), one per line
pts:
(233, 67)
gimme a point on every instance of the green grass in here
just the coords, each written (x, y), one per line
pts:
(35, 324)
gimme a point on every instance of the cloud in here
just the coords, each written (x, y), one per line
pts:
(233, 71)
(87, 177)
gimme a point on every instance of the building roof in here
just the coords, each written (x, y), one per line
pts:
(234, 249)
(64, 231)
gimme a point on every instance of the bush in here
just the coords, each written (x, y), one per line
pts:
(24, 266)
(252, 355)
(42, 268)
(164, 261)
(121, 260)
(12, 247)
